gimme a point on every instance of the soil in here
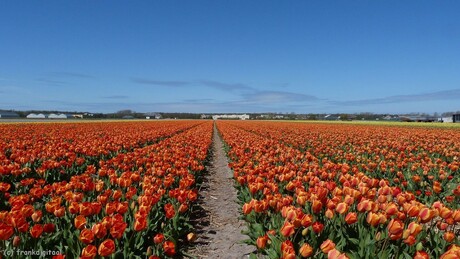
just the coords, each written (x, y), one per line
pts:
(217, 222)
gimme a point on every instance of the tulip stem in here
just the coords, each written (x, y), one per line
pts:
(384, 245)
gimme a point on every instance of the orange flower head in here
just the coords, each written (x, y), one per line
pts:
(373, 219)
(395, 226)
(261, 242)
(342, 208)
(351, 218)
(37, 216)
(86, 236)
(306, 250)
(89, 251)
(36, 230)
(327, 246)
(169, 210)
(80, 222)
(158, 238)
(449, 236)
(317, 227)
(106, 248)
(421, 255)
(118, 229)
(6, 231)
(140, 223)
(425, 215)
(287, 229)
(169, 248)
(99, 230)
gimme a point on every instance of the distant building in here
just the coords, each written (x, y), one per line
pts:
(418, 118)
(147, 117)
(331, 117)
(8, 115)
(57, 116)
(447, 119)
(456, 118)
(231, 116)
(36, 116)
(157, 116)
(127, 117)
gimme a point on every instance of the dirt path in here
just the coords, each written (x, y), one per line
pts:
(218, 226)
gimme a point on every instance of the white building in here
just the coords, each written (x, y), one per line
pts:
(447, 119)
(36, 116)
(57, 116)
(231, 116)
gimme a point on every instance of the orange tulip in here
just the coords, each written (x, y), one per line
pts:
(118, 229)
(261, 242)
(158, 238)
(317, 227)
(395, 227)
(287, 229)
(342, 208)
(140, 223)
(425, 215)
(86, 236)
(106, 248)
(49, 228)
(89, 252)
(316, 206)
(99, 230)
(169, 248)
(449, 236)
(327, 246)
(421, 255)
(36, 230)
(5, 231)
(373, 219)
(80, 222)
(169, 210)
(306, 250)
(37, 216)
(351, 218)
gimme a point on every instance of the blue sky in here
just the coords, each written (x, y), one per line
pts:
(231, 56)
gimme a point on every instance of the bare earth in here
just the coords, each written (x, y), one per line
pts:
(218, 227)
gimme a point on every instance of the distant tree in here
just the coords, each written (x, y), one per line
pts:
(125, 112)
(312, 117)
(344, 117)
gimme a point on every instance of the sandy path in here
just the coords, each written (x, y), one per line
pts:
(218, 226)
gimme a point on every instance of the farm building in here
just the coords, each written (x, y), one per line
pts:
(456, 118)
(57, 116)
(8, 115)
(446, 119)
(231, 116)
(36, 116)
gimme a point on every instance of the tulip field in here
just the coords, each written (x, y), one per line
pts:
(92, 190)
(318, 190)
(347, 191)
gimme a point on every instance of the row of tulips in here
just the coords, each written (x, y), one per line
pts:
(53, 151)
(307, 190)
(421, 160)
(134, 204)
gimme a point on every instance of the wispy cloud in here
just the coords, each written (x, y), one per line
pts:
(226, 86)
(268, 97)
(223, 86)
(51, 81)
(116, 97)
(14, 90)
(198, 100)
(72, 74)
(453, 94)
(160, 82)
